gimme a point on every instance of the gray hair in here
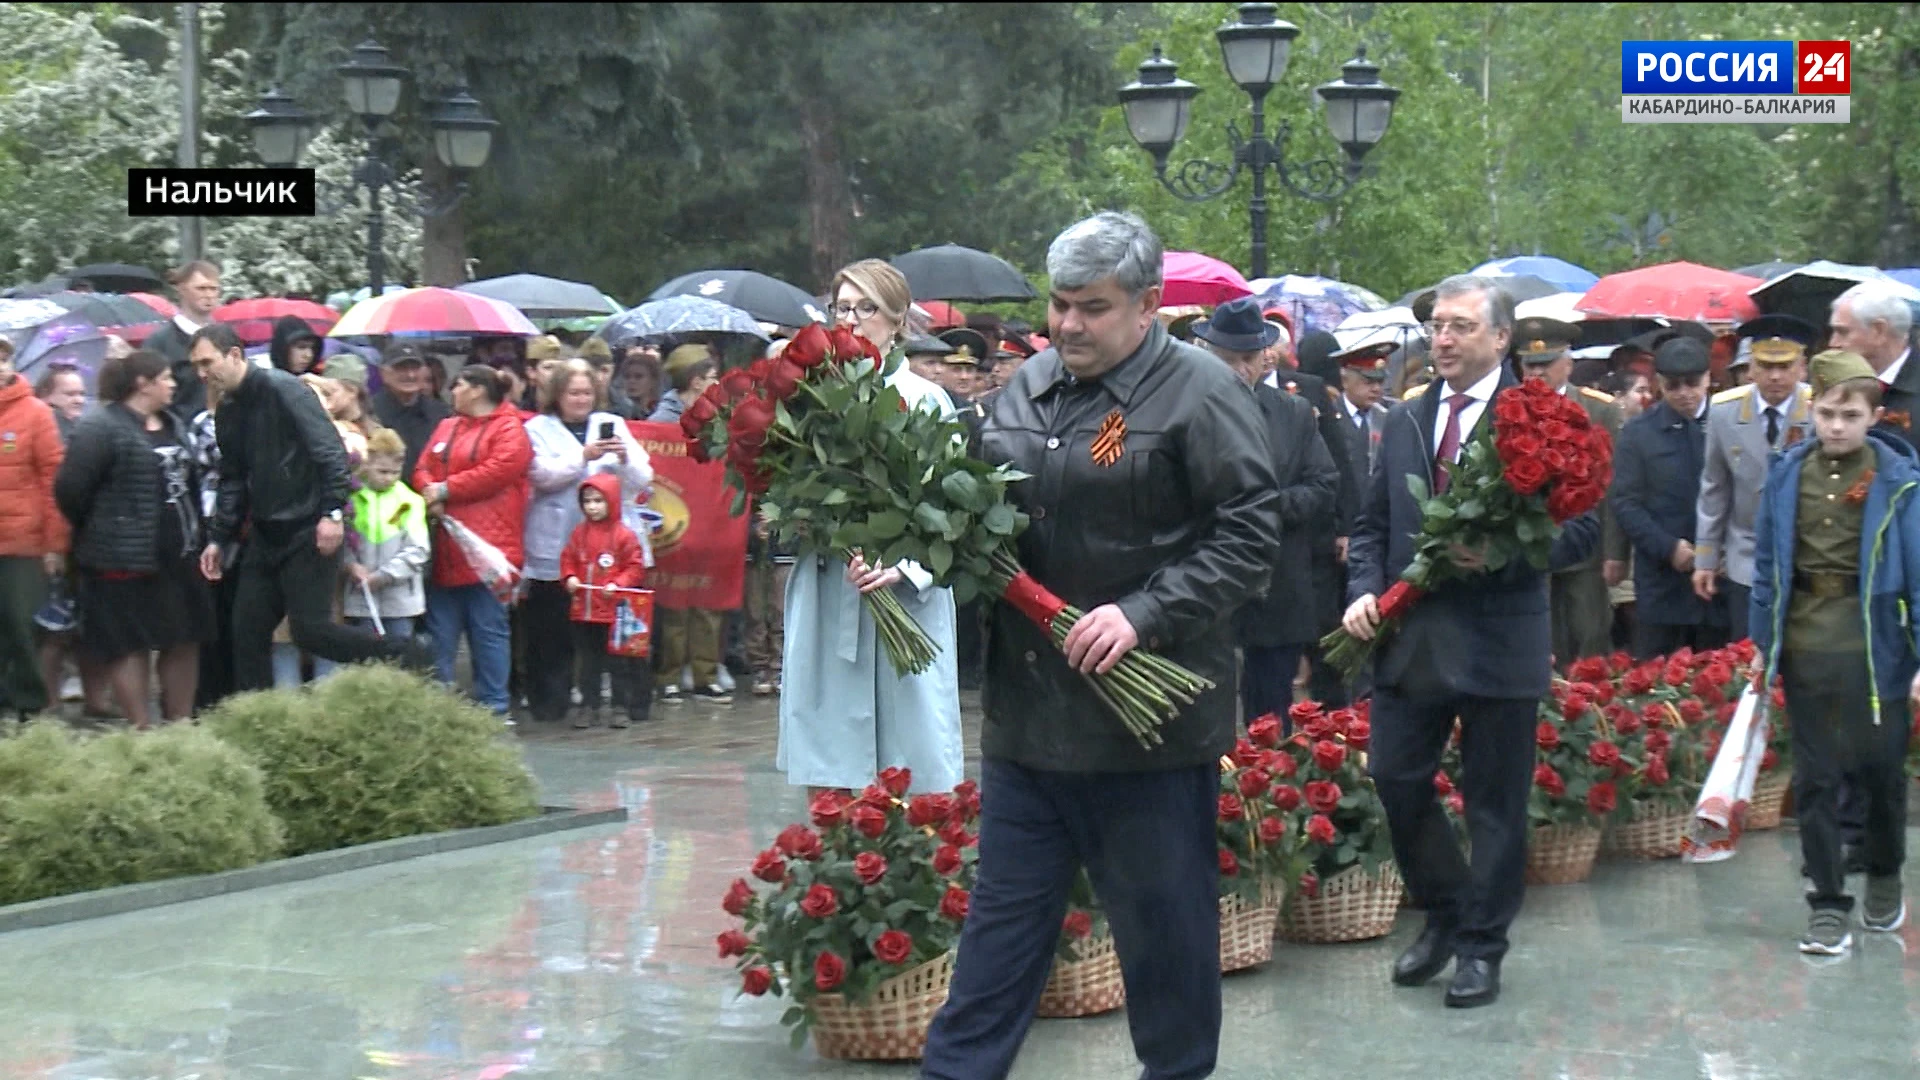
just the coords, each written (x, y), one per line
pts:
(1877, 301)
(1106, 245)
(1499, 302)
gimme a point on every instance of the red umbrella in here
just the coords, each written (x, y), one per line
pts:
(944, 315)
(253, 319)
(1676, 290)
(1193, 278)
(158, 303)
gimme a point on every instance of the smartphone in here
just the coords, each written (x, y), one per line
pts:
(606, 430)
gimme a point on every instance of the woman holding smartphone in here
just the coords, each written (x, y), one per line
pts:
(573, 437)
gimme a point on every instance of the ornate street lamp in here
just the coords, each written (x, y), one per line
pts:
(1255, 49)
(280, 130)
(372, 82)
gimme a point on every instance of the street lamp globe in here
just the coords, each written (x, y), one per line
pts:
(1158, 104)
(280, 130)
(462, 133)
(372, 82)
(1359, 106)
(1255, 48)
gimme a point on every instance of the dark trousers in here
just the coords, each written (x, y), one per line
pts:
(1738, 597)
(1653, 639)
(1147, 841)
(549, 652)
(23, 588)
(1476, 902)
(216, 656)
(1582, 615)
(969, 644)
(1839, 749)
(1266, 680)
(295, 582)
(632, 676)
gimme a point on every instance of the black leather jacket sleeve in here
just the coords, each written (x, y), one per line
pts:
(1229, 472)
(321, 440)
(230, 498)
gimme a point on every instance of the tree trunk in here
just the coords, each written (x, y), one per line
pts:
(443, 240)
(829, 194)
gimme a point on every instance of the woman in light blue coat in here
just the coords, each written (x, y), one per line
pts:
(845, 714)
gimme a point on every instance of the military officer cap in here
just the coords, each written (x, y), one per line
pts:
(969, 347)
(1540, 340)
(1680, 358)
(922, 345)
(1368, 360)
(1835, 366)
(1778, 338)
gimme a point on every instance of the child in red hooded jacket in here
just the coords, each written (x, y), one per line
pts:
(603, 552)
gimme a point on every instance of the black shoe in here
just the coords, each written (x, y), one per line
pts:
(1475, 983)
(1427, 957)
(418, 658)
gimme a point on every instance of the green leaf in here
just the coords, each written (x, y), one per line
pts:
(835, 497)
(887, 524)
(931, 519)
(963, 489)
(1418, 486)
(1000, 520)
(792, 1016)
(940, 558)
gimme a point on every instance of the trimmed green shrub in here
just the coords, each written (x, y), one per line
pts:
(80, 812)
(373, 753)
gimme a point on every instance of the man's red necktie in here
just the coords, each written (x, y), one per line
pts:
(1449, 440)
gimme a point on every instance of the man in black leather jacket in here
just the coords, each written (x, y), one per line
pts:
(283, 471)
(1475, 648)
(1157, 530)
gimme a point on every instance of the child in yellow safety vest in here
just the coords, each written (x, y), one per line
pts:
(387, 550)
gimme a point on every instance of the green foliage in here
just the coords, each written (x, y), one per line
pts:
(373, 753)
(82, 812)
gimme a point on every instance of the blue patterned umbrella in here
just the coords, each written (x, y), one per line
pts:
(1314, 303)
(1560, 272)
(678, 315)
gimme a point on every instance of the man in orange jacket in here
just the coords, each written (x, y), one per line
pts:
(33, 534)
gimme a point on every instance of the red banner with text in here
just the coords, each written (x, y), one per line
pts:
(700, 552)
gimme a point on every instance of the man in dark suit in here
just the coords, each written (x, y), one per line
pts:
(1657, 466)
(1874, 320)
(1475, 648)
(1275, 630)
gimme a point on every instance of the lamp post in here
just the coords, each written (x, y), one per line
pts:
(1255, 48)
(462, 138)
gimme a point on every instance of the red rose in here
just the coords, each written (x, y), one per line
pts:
(1265, 731)
(1619, 662)
(1520, 446)
(946, 860)
(1442, 784)
(699, 414)
(1546, 736)
(869, 867)
(1659, 742)
(1654, 713)
(870, 822)
(1229, 865)
(820, 902)
(1244, 754)
(1280, 764)
(1526, 476)
(1359, 733)
(1778, 697)
(876, 796)
(896, 780)
(1329, 755)
(829, 808)
(1320, 726)
(1077, 924)
(732, 943)
(1272, 830)
(1309, 884)
(1510, 409)
(954, 904)
(1655, 770)
(770, 867)
(756, 981)
(966, 796)
(1601, 693)
(1549, 781)
(736, 383)
(1230, 808)
(1720, 672)
(849, 346)
(1302, 711)
(929, 810)
(808, 348)
(1713, 743)
(1724, 713)
(1626, 722)
(1457, 803)
(956, 834)
(1323, 795)
(1637, 682)
(1286, 797)
(1768, 760)
(750, 421)
(1604, 754)
(1253, 783)
(1691, 711)
(739, 897)
(893, 947)
(828, 971)
(1588, 669)
(783, 379)
(799, 842)
(1320, 830)
(1575, 706)
(1601, 799)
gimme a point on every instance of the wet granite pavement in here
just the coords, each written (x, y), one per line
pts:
(590, 954)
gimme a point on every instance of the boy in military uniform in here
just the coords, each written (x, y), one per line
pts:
(1837, 571)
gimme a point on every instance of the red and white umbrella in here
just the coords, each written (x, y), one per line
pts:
(1193, 278)
(432, 310)
(1675, 290)
(253, 319)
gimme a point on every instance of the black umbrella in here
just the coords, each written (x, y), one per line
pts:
(767, 299)
(46, 286)
(1767, 271)
(107, 309)
(952, 272)
(117, 277)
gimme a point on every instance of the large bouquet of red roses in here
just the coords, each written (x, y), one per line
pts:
(876, 886)
(1539, 464)
(1339, 814)
(1260, 843)
(839, 464)
(1666, 714)
(1580, 764)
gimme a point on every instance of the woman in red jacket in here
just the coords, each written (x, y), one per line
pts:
(474, 470)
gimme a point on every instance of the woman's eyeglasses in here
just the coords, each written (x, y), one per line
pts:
(865, 309)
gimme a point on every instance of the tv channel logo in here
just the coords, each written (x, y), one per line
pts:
(1736, 82)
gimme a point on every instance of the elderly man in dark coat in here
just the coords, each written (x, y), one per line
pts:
(1155, 509)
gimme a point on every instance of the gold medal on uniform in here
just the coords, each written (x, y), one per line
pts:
(1111, 441)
